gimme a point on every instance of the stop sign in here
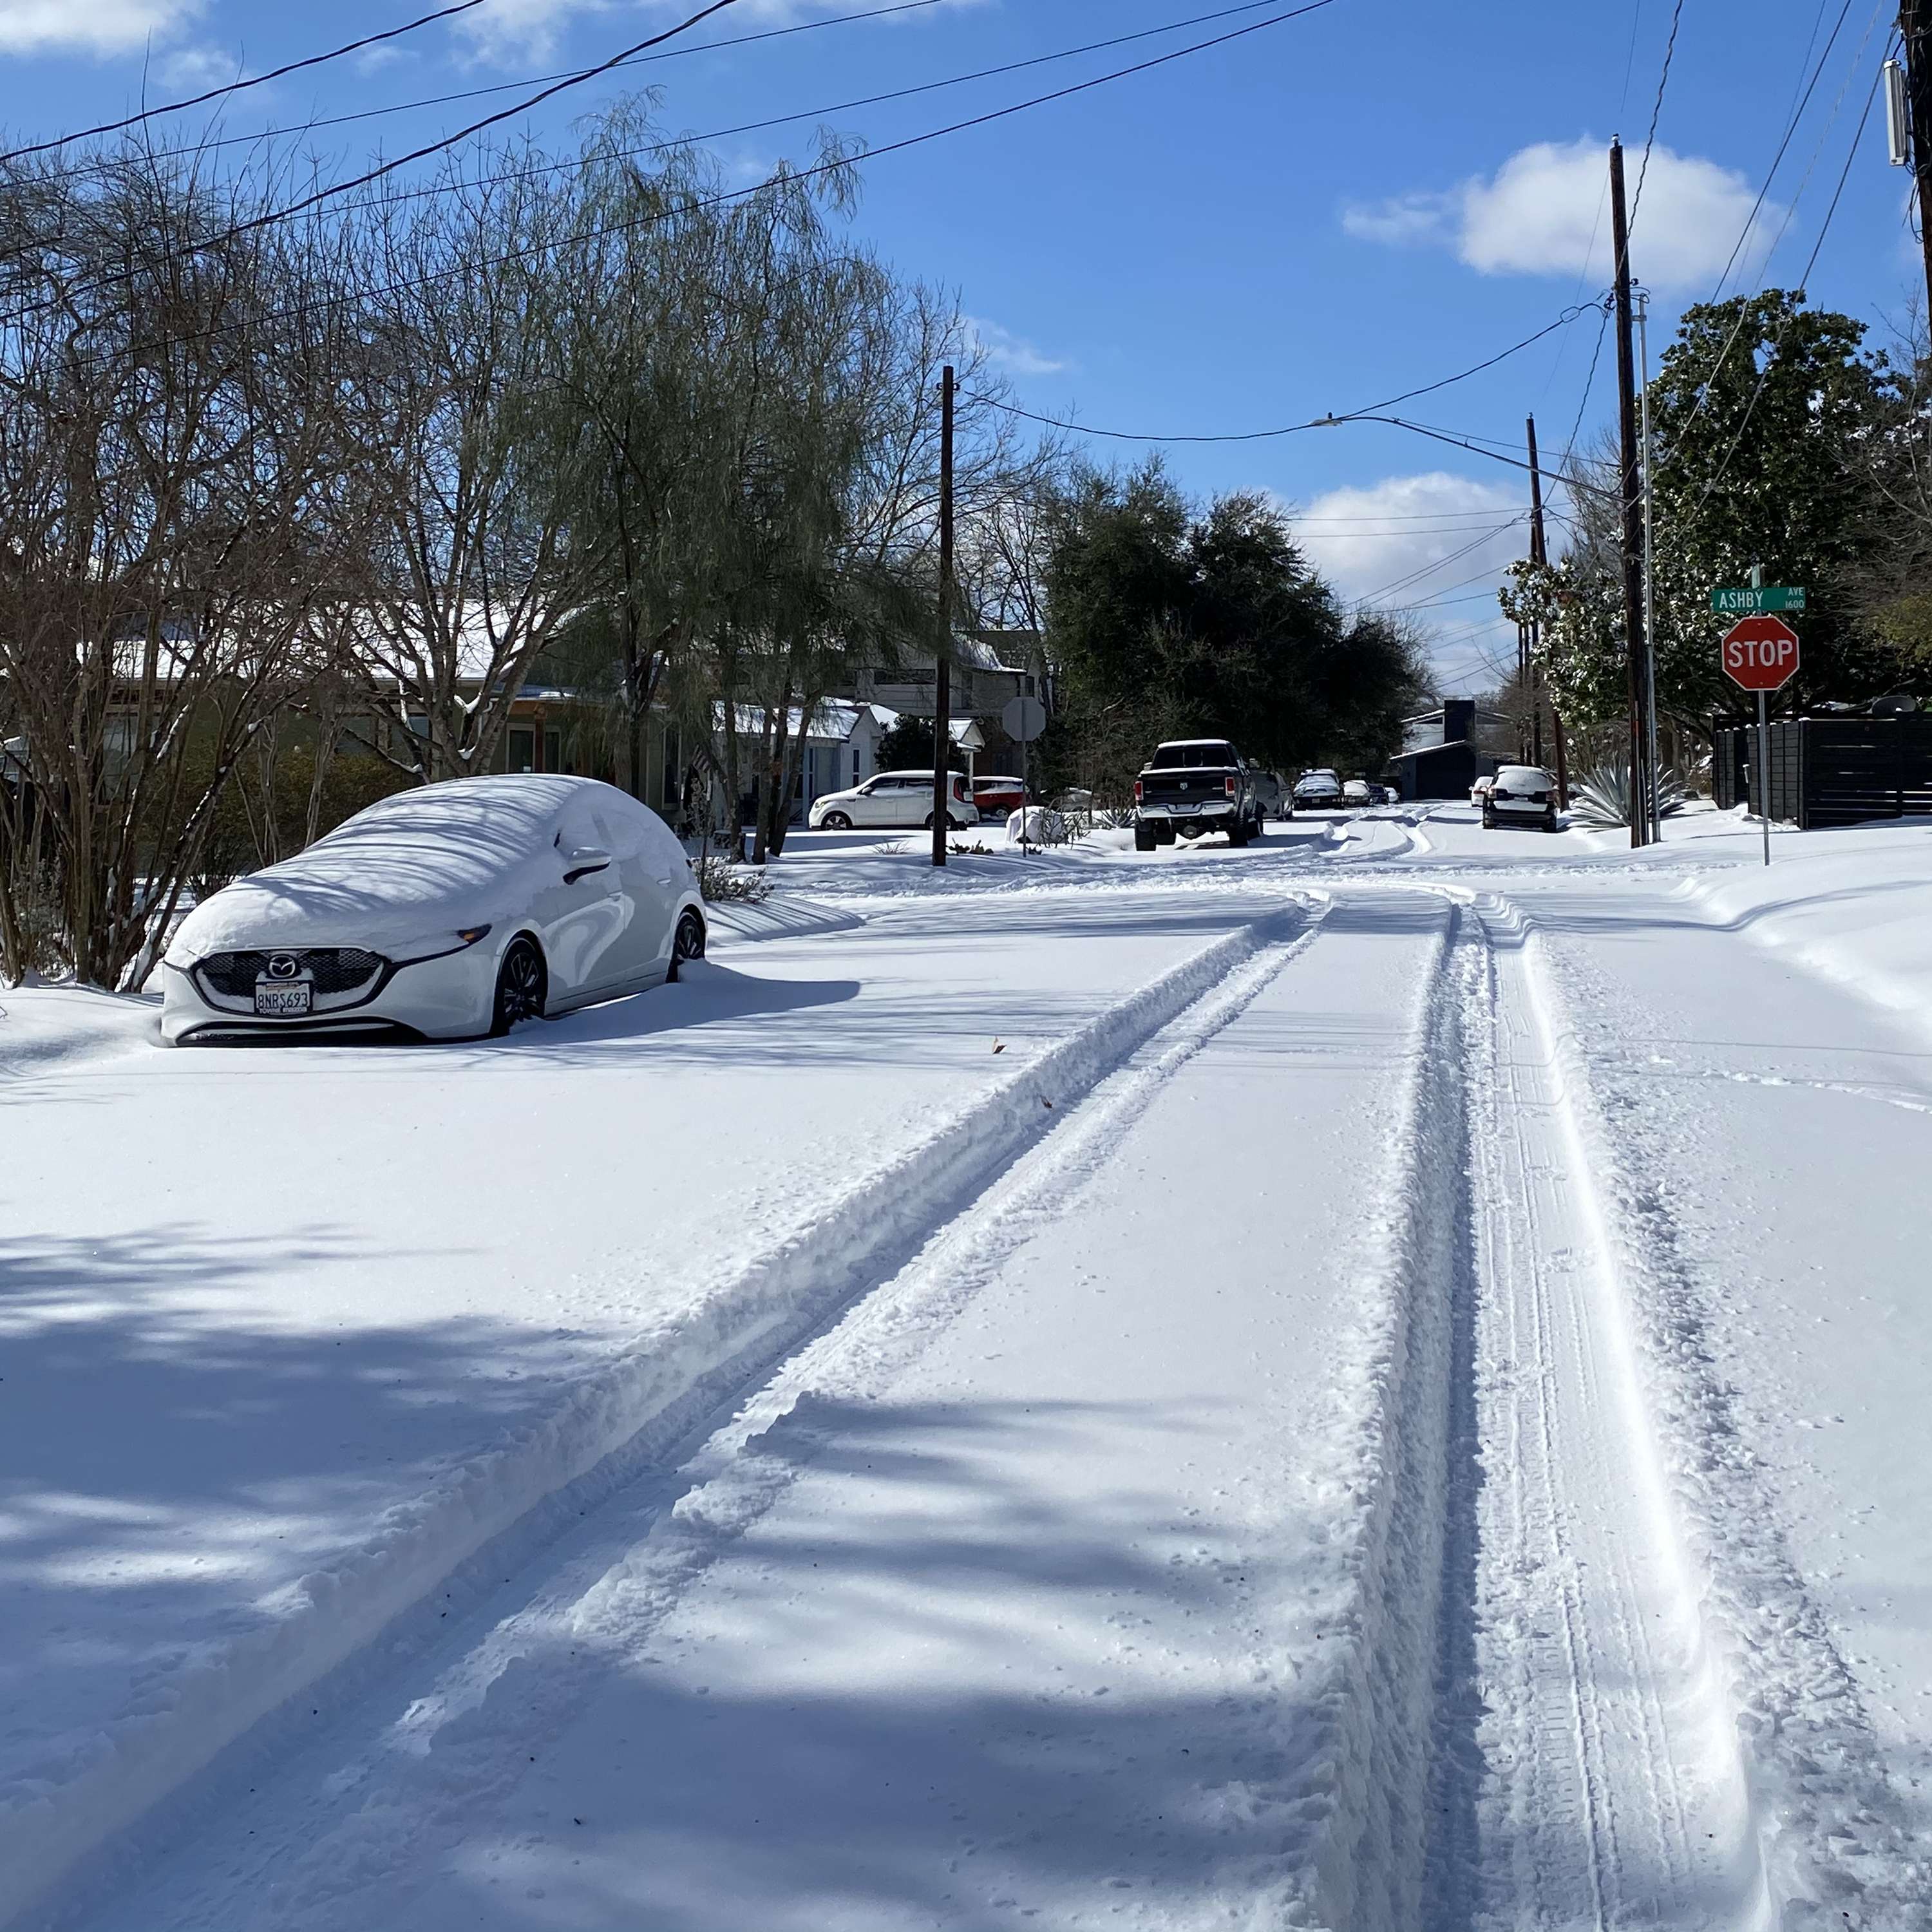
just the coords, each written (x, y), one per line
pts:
(1760, 653)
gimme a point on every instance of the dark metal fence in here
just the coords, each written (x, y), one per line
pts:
(1830, 771)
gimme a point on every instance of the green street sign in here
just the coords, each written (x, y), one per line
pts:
(1747, 603)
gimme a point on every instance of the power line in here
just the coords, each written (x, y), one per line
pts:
(1764, 374)
(1568, 316)
(1777, 160)
(1656, 108)
(260, 135)
(377, 173)
(1737, 327)
(788, 176)
(241, 86)
(533, 173)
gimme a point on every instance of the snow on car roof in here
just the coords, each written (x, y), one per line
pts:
(434, 858)
(1532, 771)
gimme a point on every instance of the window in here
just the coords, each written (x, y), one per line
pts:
(1192, 758)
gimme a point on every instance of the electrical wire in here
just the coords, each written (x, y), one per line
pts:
(259, 135)
(790, 176)
(1568, 316)
(535, 172)
(241, 86)
(377, 173)
(1656, 108)
(1764, 374)
(1744, 312)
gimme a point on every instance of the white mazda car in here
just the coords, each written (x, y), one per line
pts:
(448, 912)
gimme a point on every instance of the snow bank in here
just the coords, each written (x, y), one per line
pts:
(1826, 1829)
(783, 916)
(729, 1326)
(42, 1025)
(1853, 906)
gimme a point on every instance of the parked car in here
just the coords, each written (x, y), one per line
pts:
(447, 912)
(998, 795)
(1380, 794)
(1277, 796)
(1521, 793)
(1192, 787)
(1322, 790)
(1356, 792)
(892, 798)
(1479, 790)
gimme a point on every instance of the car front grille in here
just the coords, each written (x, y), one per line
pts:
(330, 970)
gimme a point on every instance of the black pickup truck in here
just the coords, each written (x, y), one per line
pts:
(1192, 787)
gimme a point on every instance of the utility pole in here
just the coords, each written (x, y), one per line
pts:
(942, 683)
(1539, 555)
(1915, 27)
(1653, 776)
(1630, 489)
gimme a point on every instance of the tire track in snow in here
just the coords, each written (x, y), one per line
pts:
(655, 1532)
(1610, 1790)
(1828, 1838)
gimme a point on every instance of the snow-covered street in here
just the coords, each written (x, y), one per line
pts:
(1374, 1381)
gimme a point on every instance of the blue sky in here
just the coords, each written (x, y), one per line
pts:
(1318, 215)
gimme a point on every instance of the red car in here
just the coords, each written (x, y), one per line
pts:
(998, 795)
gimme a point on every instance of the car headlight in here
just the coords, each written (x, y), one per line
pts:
(441, 945)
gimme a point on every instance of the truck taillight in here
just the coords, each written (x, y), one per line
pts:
(1228, 785)
(1137, 791)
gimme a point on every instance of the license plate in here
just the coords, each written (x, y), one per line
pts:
(1182, 808)
(281, 1002)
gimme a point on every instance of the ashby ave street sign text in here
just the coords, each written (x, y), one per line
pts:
(1746, 602)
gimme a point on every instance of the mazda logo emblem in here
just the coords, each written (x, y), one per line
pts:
(283, 966)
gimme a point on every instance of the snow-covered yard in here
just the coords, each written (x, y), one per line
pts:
(1374, 1381)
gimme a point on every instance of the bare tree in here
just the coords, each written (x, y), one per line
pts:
(475, 559)
(174, 487)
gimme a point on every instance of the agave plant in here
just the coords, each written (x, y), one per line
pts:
(1602, 796)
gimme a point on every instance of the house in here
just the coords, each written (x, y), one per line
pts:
(989, 669)
(1441, 756)
(840, 740)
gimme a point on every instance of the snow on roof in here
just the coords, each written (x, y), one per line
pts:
(834, 720)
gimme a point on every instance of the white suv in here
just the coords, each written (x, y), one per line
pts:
(892, 798)
(1524, 792)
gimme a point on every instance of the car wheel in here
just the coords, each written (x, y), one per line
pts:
(1489, 820)
(836, 821)
(1145, 840)
(522, 985)
(688, 943)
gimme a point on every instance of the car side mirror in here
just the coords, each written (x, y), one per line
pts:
(582, 860)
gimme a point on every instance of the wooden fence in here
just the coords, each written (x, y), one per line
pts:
(1830, 771)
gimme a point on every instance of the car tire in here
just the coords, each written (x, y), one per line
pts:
(1144, 838)
(523, 986)
(835, 821)
(1489, 820)
(1237, 833)
(687, 943)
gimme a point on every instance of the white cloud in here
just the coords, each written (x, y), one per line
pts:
(1544, 212)
(89, 26)
(1011, 353)
(1396, 543)
(195, 69)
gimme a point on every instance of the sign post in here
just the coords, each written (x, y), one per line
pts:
(1025, 718)
(1760, 654)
